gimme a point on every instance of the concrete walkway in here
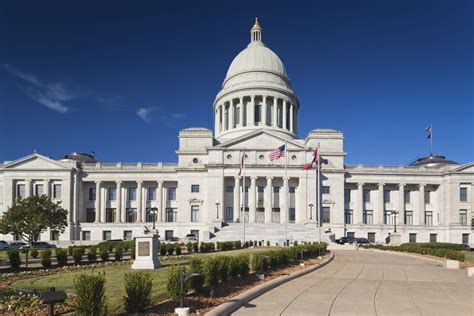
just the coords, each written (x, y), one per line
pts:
(371, 283)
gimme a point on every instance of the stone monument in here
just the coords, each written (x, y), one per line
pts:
(147, 250)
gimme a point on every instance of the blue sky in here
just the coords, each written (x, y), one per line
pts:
(122, 78)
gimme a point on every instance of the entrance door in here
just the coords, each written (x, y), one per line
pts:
(260, 215)
(229, 214)
(371, 237)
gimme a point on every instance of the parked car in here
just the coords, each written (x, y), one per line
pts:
(173, 239)
(344, 240)
(4, 245)
(17, 244)
(38, 245)
(191, 237)
(361, 241)
(112, 242)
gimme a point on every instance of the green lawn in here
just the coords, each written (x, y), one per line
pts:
(114, 280)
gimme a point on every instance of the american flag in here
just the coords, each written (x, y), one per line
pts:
(277, 153)
(429, 132)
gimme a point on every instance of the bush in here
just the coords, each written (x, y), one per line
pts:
(163, 249)
(132, 251)
(243, 261)
(211, 271)
(69, 250)
(189, 247)
(128, 244)
(14, 258)
(237, 244)
(174, 283)
(138, 286)
(90, 294)
(77, 255)
(46, 258)
(195, 247)
(196, 266)
(233, 267)
(118, 252)
(104, 254)
(177, 249)
(61, 257)
(223, 270)
(170, 249)
(34, 253)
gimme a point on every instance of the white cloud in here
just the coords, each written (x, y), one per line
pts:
(51, 95)
(144, 114)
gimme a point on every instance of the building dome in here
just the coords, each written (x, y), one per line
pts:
(256, 93)
(80, 157)
(433, 161)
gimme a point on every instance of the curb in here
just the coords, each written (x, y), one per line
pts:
(407, 254)
(235, 303)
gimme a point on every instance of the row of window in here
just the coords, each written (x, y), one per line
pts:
(171, 214)
(38, 189)
(128, 235)
(407, 195)
(260, 189)
(411, 237)
(132, 193)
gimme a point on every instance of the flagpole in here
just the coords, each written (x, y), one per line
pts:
(318, 191)
(243, 194)
(286, 193)
(431, 140)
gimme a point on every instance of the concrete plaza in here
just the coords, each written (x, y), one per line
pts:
(371, 283)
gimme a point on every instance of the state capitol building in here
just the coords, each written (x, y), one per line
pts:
(255, 112)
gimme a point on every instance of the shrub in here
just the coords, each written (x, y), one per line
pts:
(69, 250)
(61, 257)
(174, 283)
(104, 254)
(223, 270)
(243, 261)
(138, 286)
(132, 251)
(170, 249)
(163, 249)
(34, 253)
(46, 258)
(14, 258)
(211, 271)
(237, 244)
(189, 247)
(233, 267)
(118, 252)
(196, 266)
(77, 255)
(90, 294)
(177, 249)
(92, 254)
(128, 244)
(195, 247)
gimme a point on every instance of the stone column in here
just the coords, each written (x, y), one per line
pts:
(274, 123)
(216, 121)
(97, 201)
(159, 202)
(75, 188)
(118, 215)
(241, 111)
(231, 115)
(264, 111)
(268, 201)
(421, 204)
(47, 187)
(401, 203)
(28, 190)
(251, 112)
(236, 199)
(253, 199)
(380, 205)
(284, 107)
(291, 118)
(359, 211)
(139, 202)
(284, 202)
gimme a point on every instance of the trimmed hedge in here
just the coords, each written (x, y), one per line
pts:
(14, 258)
(46, 258)
(425, 249)
(61, 256)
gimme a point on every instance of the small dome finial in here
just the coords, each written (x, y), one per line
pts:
(256, 32)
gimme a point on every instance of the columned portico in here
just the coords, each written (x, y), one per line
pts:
(380, 205)
(253, 199)
(236, 207)
(268, 200)
(359, 211)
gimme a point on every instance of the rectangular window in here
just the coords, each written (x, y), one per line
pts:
(132, 194)
(106, 235)
(127, 235)
(291, 215)
(386, 196)
(229, 189)
(86, 235)
(348, 216)
(465, 238)
(292, 189)
(371, 237)
(463, 217)
(195, 232)
(152, 194)
(131, 215)
(39, 189)
(429, 218)
(150, 212)
(428, 197)
(325, 189)
(409, 218)
(462, 194)
(54, 235)
(90, 215)
(261, 189)
(368, 217)
(168, 234)
(433, 237)
(276, 215)
(195, 188)
(56, 191)
(366, 195)
(326, 215)
(20, 191)
(229, 214)
(412, 237)
(92, 194)
(388, 218)
(172, 193)
(258, 110)
(110, 215)
(407, 195)
(276, 189)
(171, 215)
(237, 114)
(194, 213)
(347, 195)
(112, 194)
(350, 234)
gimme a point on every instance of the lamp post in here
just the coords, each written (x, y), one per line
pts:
(217, 209)
(310, 210)
(395, 215)
(153, 212)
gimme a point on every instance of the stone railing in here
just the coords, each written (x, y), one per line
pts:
(128, 166)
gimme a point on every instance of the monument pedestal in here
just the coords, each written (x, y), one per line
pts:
(146, 252)
(395, 239)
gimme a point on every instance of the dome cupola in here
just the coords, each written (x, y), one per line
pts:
(256, 93)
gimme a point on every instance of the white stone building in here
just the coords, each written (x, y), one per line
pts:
(256, 111)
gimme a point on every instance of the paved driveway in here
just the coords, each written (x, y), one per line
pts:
(371, 283)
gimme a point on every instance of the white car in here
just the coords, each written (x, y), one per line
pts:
(191, 237)
(4, 245)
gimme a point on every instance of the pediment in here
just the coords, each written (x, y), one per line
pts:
(466, 168)
(261, 140)
(35, 162)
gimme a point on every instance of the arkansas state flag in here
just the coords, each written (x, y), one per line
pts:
(242, 166)
(310, 164)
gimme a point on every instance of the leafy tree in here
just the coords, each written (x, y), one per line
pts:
(33, 215)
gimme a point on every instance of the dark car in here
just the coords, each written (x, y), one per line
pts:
(38, 245)
(4, 245)
(344, 240)
(361, 241)
(17, 244)
(173, 239)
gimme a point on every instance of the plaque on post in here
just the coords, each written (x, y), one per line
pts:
(146, 250)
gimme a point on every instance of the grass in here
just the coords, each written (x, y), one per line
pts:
(115, 290)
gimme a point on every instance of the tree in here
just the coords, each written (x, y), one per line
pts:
(31, 216)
